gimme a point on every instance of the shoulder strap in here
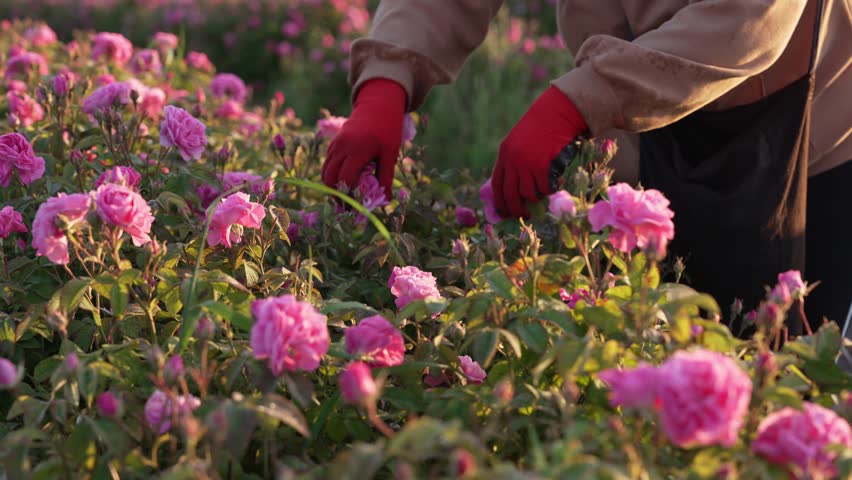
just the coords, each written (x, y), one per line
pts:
(818, 21)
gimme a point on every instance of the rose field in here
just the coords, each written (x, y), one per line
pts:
(182, 296)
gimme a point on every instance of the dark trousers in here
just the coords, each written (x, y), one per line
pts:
(829, 245)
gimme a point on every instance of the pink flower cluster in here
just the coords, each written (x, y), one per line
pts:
(24, 108)
(109, 95)
(408, 284)
(701, 396)
(112, 46)
(572, 299)
(18, 157)
(23, 63)
(231, 216)
(376, 341)
(146, 61)
(369, 191)
(790, 287)
(289, 334)
(161, 409)
(798, 438)
(637, 217)
(228, 86)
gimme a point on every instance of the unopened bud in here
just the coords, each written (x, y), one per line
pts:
(134, 96)
(71, 362)
(76, 157)
(174, 369)
(279, 143)
(461, 248)
(504, 392)
(108, 405)
(608, 149)
(601, 179)
(736, 307)
(58, 322)
(581, 180)
(766, 363)
(206, 329)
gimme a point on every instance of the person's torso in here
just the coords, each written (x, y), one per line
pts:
(831, 127)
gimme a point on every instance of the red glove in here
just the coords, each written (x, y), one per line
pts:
(372, 132)
(523, 164)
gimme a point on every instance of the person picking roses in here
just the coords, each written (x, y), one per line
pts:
(733, 109)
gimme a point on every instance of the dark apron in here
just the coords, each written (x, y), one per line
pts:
(737, 182)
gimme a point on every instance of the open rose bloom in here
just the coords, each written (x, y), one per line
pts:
(49, 239)
(288, 334)
(234, 213)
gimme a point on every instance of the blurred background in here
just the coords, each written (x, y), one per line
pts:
(300, 48)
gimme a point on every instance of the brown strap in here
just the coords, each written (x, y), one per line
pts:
(817, 30)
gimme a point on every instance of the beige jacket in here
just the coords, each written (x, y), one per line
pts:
(640, 65)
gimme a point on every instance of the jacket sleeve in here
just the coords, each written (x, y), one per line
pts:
(703, 51)
(420, 43)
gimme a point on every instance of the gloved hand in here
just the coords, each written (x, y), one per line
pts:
(372, 132)
(523, 163)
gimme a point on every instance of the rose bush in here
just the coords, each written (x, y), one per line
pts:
(181, 298)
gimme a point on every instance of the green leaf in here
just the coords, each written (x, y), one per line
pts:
(72, 293)
(284, 410)
(485, 346)
(783, 396)
(88, 142)
(118, 300)
(500, 283)
(534, 335)
(513, 341)
(239, 320)
(827, 341)
(335, 307)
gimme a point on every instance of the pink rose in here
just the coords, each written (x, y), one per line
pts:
(17, 156)
(638, 218)
(466, 217)
(409, 129)
(10, 374)
(369, 191)
(153, 102)
(561, 205)
(25, 62)
(161, 410)
(199, 61)
(61, 84)
(377, 341)
(111, 94)
(230, 109)
(146, 61)
(206, 194)
(634, 388)
(289, 334)
(48, 239)
(115, 47)
(40, 35)
(798, 439)
(703, 398)
(235, 212)
(184, 132)
(120, 175)
(165, 41)
(120, 206)
(11, 222)
(25, 108)
(356, 384)
(408, 284)
(330, 127)
(228, 85)
(486, 195)
(471, 369)
(792, 282)
(250, 124)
